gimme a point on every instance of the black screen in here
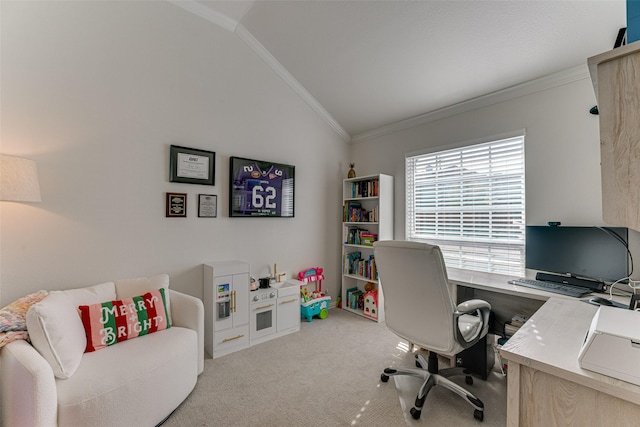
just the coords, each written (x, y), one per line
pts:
(589, 252)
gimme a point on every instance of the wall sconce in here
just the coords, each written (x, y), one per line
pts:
(18, 180)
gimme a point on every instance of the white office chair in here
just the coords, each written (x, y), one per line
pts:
(418, 307)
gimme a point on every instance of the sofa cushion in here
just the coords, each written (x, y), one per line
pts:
(56, 332)
(128, 288)
(55, 328)
(92, 294)
(112, 322)
(135, 383)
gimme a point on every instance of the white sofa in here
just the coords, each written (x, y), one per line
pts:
(137, 382)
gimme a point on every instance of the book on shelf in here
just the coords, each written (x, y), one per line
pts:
(354, 295)
(519, 319)
(356, 299)
(359, 236)
(369, 188)
(354, 264)
(350, 261)
(349, 210)
(354, 212)
(509, 329)
(512, 326)
(368, 239)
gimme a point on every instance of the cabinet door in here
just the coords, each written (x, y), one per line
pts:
(288, 313)
(241, 289)
(619, 104)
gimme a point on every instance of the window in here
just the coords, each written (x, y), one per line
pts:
(470, 201)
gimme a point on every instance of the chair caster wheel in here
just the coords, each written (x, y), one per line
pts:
(415, 413)
(468, 380)
(478, 415)
(384, 378)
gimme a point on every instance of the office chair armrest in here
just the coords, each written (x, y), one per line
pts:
(472, 305)
(478, 307)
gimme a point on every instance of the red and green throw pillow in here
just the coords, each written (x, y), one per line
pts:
(111, 322)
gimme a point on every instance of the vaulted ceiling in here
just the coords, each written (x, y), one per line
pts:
(365, 65)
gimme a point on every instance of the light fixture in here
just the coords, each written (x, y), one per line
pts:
(18, 180)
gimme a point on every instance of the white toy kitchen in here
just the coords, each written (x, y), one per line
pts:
(237, 317)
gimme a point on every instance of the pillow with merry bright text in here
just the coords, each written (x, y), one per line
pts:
(112, 322)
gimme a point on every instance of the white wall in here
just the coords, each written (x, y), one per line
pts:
(562, 152)
(95, 93)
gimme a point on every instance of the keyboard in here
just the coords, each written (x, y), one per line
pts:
(558, 288)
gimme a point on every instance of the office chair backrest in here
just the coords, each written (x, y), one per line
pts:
(417, 303)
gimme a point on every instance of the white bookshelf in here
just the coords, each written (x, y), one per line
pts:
(377, 201)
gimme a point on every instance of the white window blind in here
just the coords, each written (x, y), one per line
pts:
(470, 201)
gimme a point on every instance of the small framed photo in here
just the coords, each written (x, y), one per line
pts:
(191, 165)
(176, 205)
(207, 205)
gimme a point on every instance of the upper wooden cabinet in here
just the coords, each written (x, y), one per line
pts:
(616, 80)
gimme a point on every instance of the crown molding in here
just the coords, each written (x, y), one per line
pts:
(558, 79)
(207, 13)
(243, 34)
(291, 81)
(564, 77)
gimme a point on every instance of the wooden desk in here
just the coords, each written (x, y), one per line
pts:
(505, 299)
(546, 385)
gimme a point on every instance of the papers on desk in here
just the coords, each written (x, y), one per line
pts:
(612, 346)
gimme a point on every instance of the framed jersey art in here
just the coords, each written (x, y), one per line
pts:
(260, 189)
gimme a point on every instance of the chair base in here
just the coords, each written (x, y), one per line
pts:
(432, 377)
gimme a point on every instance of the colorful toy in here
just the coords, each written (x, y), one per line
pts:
(318, 306)
(314, 303)
(312, 275)
(371, 304)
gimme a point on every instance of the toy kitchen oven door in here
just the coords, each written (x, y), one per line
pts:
(263, 315)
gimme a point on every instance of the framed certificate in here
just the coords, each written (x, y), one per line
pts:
(207, 205)
(176, 205)
(191, 165)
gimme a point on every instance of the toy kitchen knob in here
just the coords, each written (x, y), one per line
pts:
(272, 295)
(256, 298)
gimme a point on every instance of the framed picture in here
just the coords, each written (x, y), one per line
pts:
(176, 205)
(207, 205)
(259, 188)
(191, 166)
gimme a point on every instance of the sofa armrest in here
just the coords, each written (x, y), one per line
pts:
(29, 394)
(188, 312)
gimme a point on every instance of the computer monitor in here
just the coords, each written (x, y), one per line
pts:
(585, 252)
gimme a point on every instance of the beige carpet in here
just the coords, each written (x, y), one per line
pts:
(328, 374)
